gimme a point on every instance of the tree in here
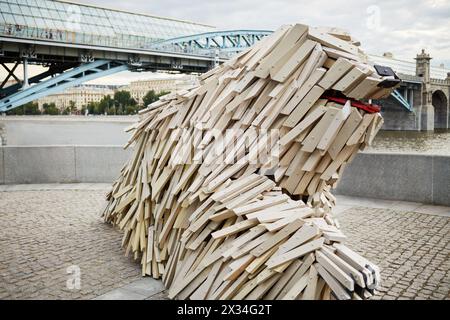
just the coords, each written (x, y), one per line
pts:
(30, 108)
(122, 100)
(16, 111)
(131, 109)
(72, 107)
(50, 109)
(106, 105)
(150, 97)
(92, 107)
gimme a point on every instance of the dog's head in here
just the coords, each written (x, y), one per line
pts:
(315, 85)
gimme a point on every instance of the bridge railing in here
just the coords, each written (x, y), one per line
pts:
(125, 41)
(122, 41)
(444, 82)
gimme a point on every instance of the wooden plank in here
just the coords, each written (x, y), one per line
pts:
(368, 85)
(335, 164)
(260, 205)
(279, 236)
(240, 226)
(266, 213)
(281, 62)
(252, 244)
(238, 266)
(305, 233)
(346, 267)
(306, 263)
(297, 58)
(330, 133)
(244, 239)
(303, 125)
(297, 288)
(283, 281)
(332, 42)
(345, 133)
(336, 54)
(303, 107)
(335, 271)
(295, 253)
(263, 287)
(203, 290)
(351, 79)
(337, 288)
(288, 40)
(245, 197)
(315, 60)
(311, 288)
(312, 140)
(234, 287)
(335, 73)
(287, 219)
(303, 91)
(357, 134)
(258, 262)
(356, 260)
(312, 161)
(234, 189)
(266, 45)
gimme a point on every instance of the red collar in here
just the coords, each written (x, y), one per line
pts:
(371, 108)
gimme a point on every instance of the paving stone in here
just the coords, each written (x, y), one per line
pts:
(46, 232)
(400, 243)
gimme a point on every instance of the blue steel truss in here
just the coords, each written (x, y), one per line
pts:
(52, 71)
(397, 95)
(73, 77)
(232, 40)
(223, 44)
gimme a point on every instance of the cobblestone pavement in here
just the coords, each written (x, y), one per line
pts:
(45, 232)
(412, 250)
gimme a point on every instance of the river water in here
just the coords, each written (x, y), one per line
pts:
(437, 142)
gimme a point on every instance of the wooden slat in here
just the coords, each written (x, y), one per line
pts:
(295, 253)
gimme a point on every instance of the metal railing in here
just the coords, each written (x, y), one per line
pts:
(122, 41)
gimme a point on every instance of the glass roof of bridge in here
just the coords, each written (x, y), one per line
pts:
(61, 16)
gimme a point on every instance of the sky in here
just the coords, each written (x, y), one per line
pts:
(402, 27)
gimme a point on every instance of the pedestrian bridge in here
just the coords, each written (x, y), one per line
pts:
(78, 43)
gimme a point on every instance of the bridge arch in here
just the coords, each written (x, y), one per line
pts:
(441, 110)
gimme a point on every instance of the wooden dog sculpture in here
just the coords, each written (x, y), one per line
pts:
(227, 193)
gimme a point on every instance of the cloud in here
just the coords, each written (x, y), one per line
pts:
(402, 27)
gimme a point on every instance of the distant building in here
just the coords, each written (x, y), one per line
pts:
(138, 89)
(81, 95)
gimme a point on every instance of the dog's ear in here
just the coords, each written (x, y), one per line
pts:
(391, 79)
